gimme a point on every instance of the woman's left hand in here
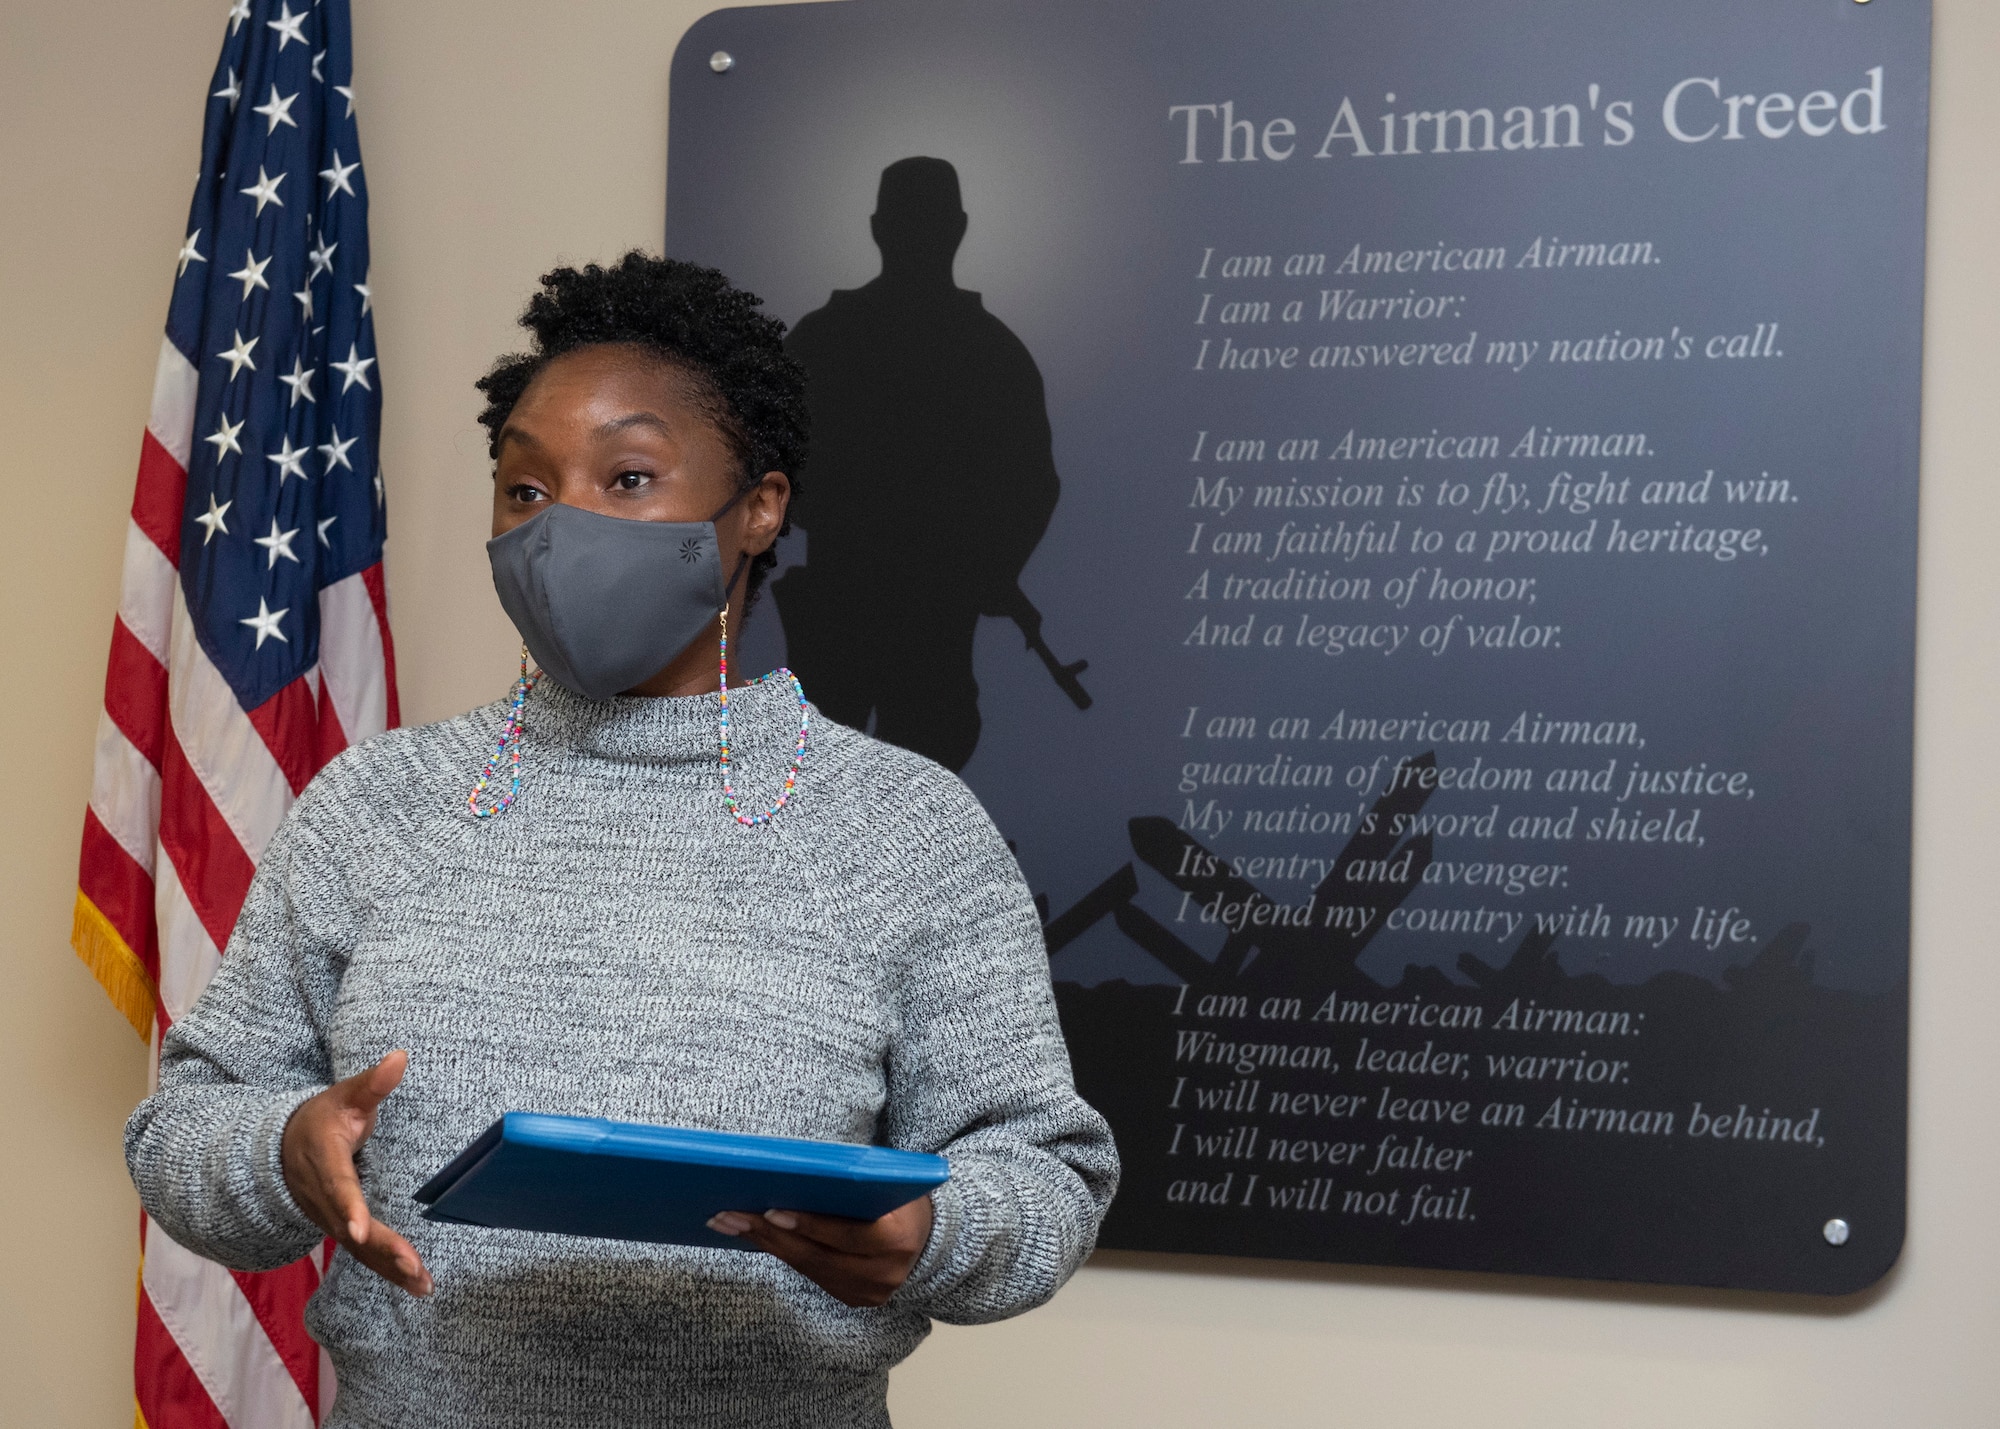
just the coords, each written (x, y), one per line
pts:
(859, 1263)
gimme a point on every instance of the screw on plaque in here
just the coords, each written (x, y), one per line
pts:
(1836, 1231)
(722, 61)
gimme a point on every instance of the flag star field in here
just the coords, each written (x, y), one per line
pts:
(271, 306)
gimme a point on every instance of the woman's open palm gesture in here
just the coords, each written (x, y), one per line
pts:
(317, 1154)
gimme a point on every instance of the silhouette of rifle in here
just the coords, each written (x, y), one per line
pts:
(1019, 609)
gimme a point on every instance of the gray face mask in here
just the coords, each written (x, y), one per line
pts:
(603, 602)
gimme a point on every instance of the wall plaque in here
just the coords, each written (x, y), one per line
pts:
(1407, 517)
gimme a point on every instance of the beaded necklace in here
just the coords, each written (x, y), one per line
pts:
(507, 749)
(729, 800)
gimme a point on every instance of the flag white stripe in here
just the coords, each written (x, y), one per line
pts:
(327, 1381)
(204, 1310)
(351, 659)
(188, 956)
(125, 792)
(174, 386)
(225, 750)
(146, 601)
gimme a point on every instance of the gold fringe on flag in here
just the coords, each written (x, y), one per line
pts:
(115, 966)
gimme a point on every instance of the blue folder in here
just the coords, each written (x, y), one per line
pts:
(578, 1175)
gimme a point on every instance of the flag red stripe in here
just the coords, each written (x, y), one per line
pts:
(135, 693)
(332, 738)
(122, 890)
(169, 1394)
(289, 724)
(214, 870)
(159, 496)
(378, 593)
(278, 1298)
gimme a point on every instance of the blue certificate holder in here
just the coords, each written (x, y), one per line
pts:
(621, 1180)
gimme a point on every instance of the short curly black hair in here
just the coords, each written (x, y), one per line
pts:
(694, 319)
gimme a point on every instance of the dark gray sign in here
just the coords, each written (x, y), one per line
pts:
(1407, 517)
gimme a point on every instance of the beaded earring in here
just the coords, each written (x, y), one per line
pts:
(729, 800)
(507, 749)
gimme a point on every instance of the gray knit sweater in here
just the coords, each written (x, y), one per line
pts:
(867, 968)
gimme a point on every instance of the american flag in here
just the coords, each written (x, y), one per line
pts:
(252, 638)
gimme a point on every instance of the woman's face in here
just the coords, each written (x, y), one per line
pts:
(610, 429)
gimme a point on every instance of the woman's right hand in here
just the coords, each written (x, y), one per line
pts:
(317, 1155)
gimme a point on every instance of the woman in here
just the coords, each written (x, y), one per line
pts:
(638, 913)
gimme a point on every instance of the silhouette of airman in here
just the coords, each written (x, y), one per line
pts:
(930, 482)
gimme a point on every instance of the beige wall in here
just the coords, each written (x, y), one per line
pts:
(505, 134)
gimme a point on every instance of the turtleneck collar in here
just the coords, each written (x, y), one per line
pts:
(673, 730)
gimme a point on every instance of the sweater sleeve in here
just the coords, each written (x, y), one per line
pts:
(978, 1073)
(203, 1149)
